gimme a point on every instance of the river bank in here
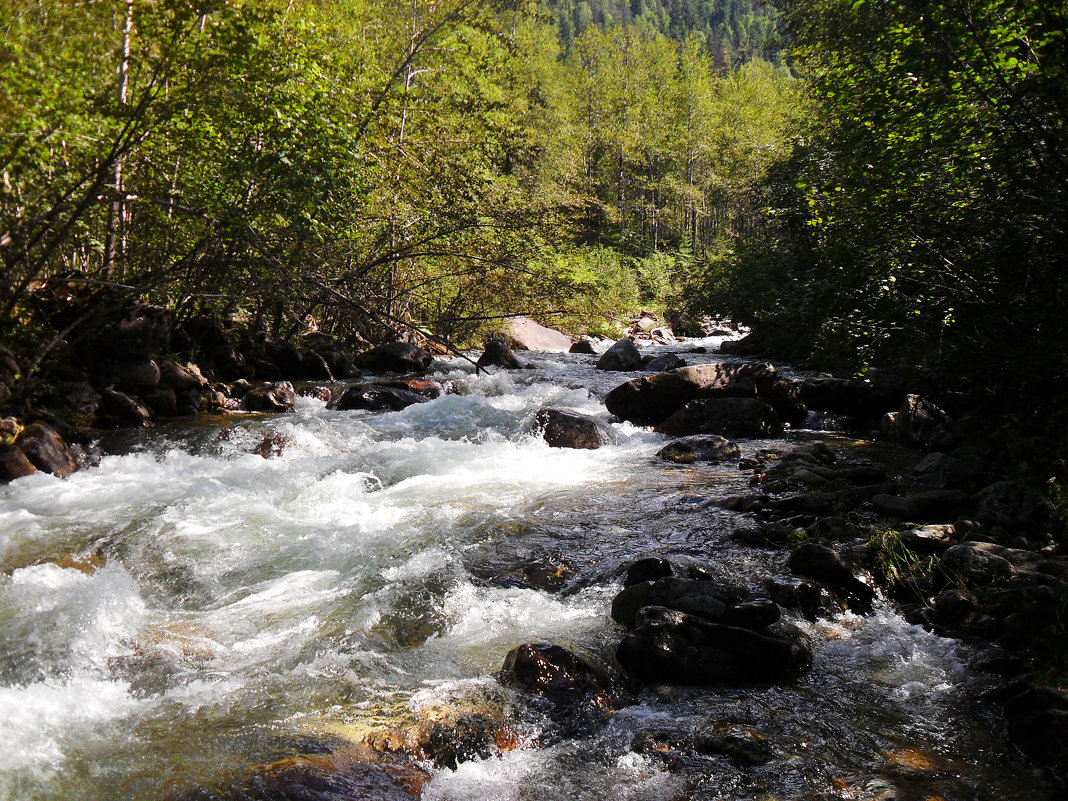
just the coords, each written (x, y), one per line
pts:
(271, 579)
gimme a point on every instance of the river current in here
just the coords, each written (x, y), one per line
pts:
(185, 609)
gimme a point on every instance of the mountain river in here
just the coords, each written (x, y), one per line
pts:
(185, 609)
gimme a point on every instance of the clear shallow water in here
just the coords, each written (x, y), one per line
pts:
(186, 609)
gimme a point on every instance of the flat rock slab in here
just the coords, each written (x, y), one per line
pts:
(535, 336)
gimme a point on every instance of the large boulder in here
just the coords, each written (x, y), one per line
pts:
(650, 400)
(376, 398)
(741, 418)
(676, 647)
(665, 361)
(46, 450)
(119, 410)
(134, 374)
(562, 428)
(533, 336)
(181, 377)
(396, 357)
(276, 397)
(732, 606)
(978, 564)
(818, 561)
(14, 464)
(919, 423)
(562, 682)
(700, 448)
(498, 354)
(623, 356)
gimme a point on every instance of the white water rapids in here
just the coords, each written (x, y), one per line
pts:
(185, 609)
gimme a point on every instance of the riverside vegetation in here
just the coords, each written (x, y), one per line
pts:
(203, 201)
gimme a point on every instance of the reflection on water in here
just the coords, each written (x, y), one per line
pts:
(187, 608)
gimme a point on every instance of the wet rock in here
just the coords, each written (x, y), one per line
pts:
(135, 374)
(329, 351)
(583, 346)
(954, 606)
(651, 399)
(273, 444)
(498, 354)
(340, 776)
(565, 682)
(815, 560)
(623, 356)
(46, 450)
(420, 386)
(192, 401)
(376, 398)
(731, 606)
(667, 361)
(700, 448)
(1038, 724)
(14, 464)
(395, 357)
(674, 647)
(463, 739)
(649, 569)
(562, 428)
(119, 410)
(740, 744)
(896, 506)
(741, 418)
(1015, 508)
(929, 540)
(277, 397)
(807, 597)
(181, 377)
(161, 401)
(977, 564)
(534, 336)
(919, 423)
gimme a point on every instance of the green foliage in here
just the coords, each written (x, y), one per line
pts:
(922, 215)
(731, 32)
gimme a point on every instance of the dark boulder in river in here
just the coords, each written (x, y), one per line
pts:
(498, 354)
(395, 357)
(376, 398)
(565, 684)
(621, 357)
(47, 450)
(650, 400)
(675, 647)
(562, 428)
(732, 606)
(818, 561)
(14, 464)
(277, 397)
(742, 418)
(700, 448)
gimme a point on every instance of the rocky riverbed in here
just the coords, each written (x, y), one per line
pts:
(555, 574)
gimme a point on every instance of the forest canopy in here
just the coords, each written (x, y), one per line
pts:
(887, 189)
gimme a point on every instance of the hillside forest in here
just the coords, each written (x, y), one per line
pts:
(866, 184)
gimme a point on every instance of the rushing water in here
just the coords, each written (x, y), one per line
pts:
(186, 609)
